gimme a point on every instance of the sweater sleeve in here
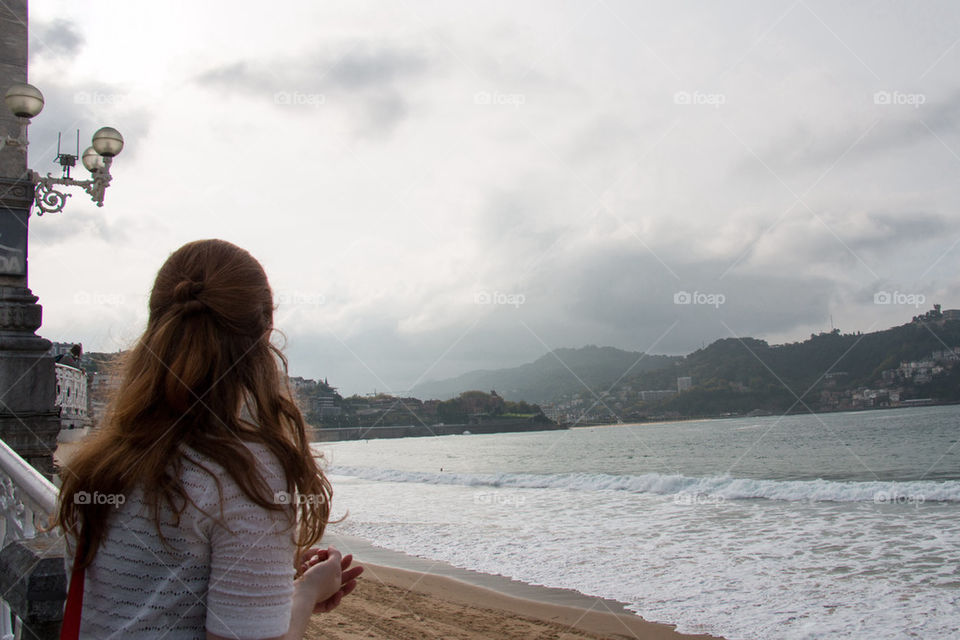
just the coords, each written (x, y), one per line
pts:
(250, 589)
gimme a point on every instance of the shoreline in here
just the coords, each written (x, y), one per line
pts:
(943, 403)
(644, 424)
(426, 594)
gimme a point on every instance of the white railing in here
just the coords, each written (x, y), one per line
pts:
(27, 499)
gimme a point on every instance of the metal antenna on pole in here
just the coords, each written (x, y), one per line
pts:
(67, 160)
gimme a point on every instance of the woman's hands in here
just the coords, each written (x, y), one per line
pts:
(329, 575)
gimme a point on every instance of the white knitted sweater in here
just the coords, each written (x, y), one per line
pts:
(237, 583)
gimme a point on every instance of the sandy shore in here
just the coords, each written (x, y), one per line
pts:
(395, 604)
(391, 603)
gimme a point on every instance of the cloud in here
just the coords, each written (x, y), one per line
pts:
(610, 292)
(354, 68)
(55, 39)
(77, 223)
(69, 107)
(889, 230)
(863, 132)
(375, 79)
(363, 68)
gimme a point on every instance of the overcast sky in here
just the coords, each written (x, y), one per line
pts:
(436, 187)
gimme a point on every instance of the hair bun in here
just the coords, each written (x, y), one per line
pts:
(187, 290)
(193, 306)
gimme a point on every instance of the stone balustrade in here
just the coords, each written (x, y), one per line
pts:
(32, 578)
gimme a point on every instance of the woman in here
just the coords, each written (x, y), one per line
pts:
(193, 509)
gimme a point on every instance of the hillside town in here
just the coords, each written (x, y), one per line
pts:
(86, 381)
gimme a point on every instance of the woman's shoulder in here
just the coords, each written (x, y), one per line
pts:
(207, 468)
(262, 453)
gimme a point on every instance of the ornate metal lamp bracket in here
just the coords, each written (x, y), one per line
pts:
(50, 200)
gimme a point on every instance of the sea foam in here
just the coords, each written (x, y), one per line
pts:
(721, 487)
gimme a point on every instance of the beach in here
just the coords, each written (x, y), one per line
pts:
(397, 604)
(401, 596)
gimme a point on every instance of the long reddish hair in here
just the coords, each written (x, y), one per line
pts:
(206, 375)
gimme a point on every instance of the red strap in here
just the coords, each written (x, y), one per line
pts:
(70, 628)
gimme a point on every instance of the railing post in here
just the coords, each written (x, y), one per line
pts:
(34, 585)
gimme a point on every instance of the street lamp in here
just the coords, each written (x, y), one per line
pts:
(25, 102)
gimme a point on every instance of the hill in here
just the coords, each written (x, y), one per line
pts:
(739, 375)
(555, 374)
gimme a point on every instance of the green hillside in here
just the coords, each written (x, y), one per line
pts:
(559, 372)
(735, 375)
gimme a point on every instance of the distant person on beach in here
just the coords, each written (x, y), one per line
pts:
(193, 511)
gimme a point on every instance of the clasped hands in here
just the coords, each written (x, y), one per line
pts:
(329, 574)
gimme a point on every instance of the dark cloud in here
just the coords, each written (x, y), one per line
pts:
(888, 229)
(239, 76)
(845, 241)
(353, 69)
(87, 107)
(615, 294)
(365, 68)
(375, 79)
(817, 145)
(627, 297)
(56, 39)
(385, 359)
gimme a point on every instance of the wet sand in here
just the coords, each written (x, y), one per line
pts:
(436, 600)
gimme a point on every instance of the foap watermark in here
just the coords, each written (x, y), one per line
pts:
(300, 298)
(85, 497)
(697, 499)
(499, 298)
(299, 99)
(284, 497)
(97, 97)
(899, 297)
(699, 297)
(499, 499)
(899, 98)
(98, 299)
(496, 98)
(714, 100)
(885, 497)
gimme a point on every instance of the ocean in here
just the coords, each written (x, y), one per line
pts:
(843, 525)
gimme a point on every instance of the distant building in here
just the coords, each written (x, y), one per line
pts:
(655, 395)
(684, 384)
(102, 386)
(71, 397)
(552, 412)
(326, 407)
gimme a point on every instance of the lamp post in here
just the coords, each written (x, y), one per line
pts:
(29, 421)
(25, 102)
